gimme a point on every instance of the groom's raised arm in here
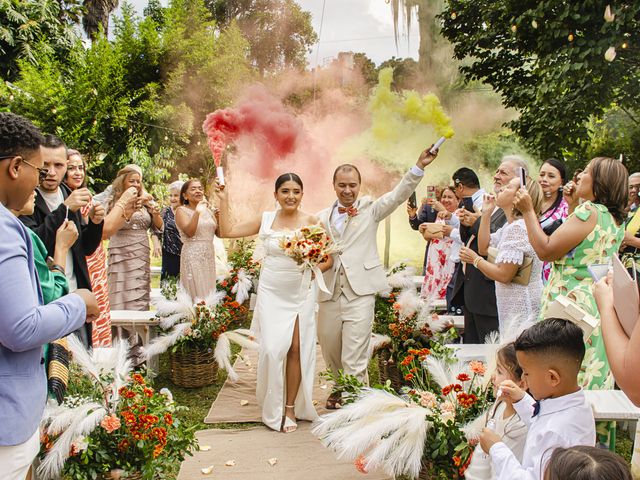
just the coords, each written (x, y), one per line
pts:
(387, 203)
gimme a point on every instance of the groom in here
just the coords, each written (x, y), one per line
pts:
(345, 317)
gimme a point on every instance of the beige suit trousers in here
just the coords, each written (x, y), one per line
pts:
(344, 332)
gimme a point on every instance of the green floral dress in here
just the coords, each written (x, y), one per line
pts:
(570, 277)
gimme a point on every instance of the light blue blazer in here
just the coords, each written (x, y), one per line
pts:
(25, 326)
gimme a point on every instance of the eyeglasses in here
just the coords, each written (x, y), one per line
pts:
(42, 172)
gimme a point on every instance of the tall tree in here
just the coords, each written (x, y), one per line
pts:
(559, 64)
(28, 25)
(279, 31)
(96, 16)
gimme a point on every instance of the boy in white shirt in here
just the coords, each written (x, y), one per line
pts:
(550, 354)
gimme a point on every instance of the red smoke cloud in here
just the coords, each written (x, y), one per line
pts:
(263, 120)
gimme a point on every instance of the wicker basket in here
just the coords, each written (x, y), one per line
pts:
(120, 475)
(383, 371)
(192, 368)
(394, 375)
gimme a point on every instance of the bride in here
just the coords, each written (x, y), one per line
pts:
(284, 315)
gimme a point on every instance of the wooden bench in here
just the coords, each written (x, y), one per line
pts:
(141, 325)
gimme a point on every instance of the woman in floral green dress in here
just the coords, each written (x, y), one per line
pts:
(591, 235)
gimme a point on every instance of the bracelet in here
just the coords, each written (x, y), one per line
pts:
(476, 261)
(123, 212)
(58, 268)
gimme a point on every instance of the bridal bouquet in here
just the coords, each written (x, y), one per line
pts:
(308, 246)
(429, 429)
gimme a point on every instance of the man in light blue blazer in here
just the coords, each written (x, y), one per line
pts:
(25, 324)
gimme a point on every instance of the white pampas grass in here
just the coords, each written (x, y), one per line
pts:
(409, 303)
(443, 373)
(82, 357)
(162, 343)
(214, 298)
(473, 429)
(388, 429)
(73, 423)
(242, 287)
(377, 341)
(222, 353)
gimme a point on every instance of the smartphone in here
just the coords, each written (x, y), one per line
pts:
(431, 191)
(598, 271)
(413, 201)
(523, 177)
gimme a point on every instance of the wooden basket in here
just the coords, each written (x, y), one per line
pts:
(192, 368)
(383, 371)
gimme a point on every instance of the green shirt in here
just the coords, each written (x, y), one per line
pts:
(53, 284)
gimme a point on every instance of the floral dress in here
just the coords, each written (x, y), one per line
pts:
(439, 267)
(570, 277)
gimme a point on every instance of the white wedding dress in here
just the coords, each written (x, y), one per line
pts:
(284, 294)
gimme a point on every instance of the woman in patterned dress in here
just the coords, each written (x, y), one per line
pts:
(552, 177)
(592, 234)
(132, 215)
(76, 177)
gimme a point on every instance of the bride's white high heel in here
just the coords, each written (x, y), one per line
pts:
(289, 425)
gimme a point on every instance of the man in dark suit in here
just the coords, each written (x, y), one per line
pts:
(427, 214)
(55, 204)
(478, 291)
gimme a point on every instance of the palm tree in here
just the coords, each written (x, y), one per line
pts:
(97, 15)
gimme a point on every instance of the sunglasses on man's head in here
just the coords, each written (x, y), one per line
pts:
(42, 172)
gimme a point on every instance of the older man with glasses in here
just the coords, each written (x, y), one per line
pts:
(25, 323)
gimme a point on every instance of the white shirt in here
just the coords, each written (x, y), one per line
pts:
(53, 201)
(339, 220)
(565, 422)
(513, 433)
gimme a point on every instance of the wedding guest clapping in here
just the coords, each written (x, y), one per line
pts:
(132, 215)
(197, 227)
(590, 235)
(518, 301)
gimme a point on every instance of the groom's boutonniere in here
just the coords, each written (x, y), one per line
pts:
(350, 211)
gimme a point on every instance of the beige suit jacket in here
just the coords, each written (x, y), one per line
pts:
(357, 246)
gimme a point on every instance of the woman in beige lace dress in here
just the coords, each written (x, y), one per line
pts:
(132, 213)
(197, 227)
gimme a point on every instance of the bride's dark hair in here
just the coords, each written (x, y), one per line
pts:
(288, 177)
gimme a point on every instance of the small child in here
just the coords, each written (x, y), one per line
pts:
(550, 354)
(586, 463)
(508, 424)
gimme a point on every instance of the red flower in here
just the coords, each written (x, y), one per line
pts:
(447, 390)
(168, 419)
(408, 376)
(110, 423)
(463, 377)
(457, 460)
(360, 464)
(138, 378)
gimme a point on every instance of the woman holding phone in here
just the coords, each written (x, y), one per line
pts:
(592, 234)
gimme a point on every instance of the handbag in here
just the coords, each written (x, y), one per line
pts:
(523, 275)
(626, 299)
(566, 309)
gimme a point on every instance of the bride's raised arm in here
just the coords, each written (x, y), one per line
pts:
(227, 228)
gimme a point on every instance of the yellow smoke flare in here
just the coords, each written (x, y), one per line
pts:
(390, 111)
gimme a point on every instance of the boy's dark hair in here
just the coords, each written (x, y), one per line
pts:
(51, 141)
(18, 135)
(586, 463)
(507, 357)
(553, 336)
(466, 177)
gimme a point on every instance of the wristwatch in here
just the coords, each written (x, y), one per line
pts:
(55, 267)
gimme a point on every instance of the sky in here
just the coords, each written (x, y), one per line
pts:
(350, 25)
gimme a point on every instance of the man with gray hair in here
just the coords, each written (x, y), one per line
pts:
(478, 291)
(171, 242)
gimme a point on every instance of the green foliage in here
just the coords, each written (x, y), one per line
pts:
(486, 151)
(546, 60)
(368, 69)
(406, 72)
(28, 26)
(279, 31)
(614, 134)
